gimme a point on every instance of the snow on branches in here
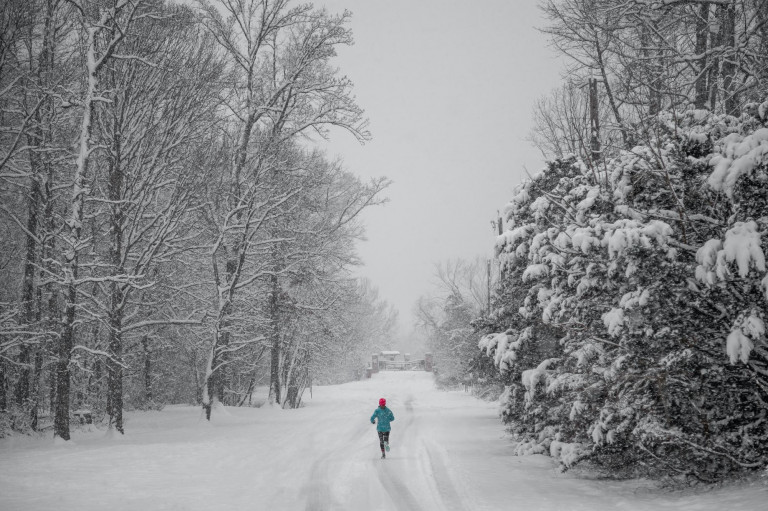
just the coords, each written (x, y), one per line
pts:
(634, 292)
(738, 156)
(742, 245)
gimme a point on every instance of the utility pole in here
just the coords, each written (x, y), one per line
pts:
(488, 286)
(500, 228)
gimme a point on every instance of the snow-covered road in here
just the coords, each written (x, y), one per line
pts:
(448, 453)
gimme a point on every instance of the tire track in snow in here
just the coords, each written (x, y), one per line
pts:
(319, 496)
(317, 488)
(398, 492)
(444, 483)
(432, 463)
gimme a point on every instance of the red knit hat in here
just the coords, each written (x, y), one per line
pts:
(382, 402)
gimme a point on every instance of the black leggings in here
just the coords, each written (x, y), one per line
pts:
(383, 437)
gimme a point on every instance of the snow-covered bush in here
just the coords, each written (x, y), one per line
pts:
(630, 318)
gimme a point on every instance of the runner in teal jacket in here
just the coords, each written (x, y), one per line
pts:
(384, 416)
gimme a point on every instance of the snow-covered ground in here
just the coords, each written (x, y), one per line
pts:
(448, 453)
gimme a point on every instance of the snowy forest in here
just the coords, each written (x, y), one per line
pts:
(174, 230)
(171, 230)
(626, 328)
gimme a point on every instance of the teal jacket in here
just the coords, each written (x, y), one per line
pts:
(385, 416)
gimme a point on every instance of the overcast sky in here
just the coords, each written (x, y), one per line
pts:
(448, 86)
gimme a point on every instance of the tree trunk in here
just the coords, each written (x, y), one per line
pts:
(37, 372)
(221, 358)
(147, 370)
(36, 142)
(35, 390)
(651, 64)
(702, 34)
(116, 291)
(296, 380)
(289, 355)
(714, 70)
(655, 99)
(3, 394)
(41, 194)
(594, 123)
(214, 386)
(212, 390)
(52, 307)
(762, 16)
(208, 394)
(52, 384)
(274, 372)
(66, 342)
(214, 379)
(21, 390)
(115, 368)
(226, 324)
(28, 283)
(71, 263)
(731, 95)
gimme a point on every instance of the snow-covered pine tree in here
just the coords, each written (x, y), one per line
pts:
(651, 285)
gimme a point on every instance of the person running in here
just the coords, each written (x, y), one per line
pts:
(385, 416)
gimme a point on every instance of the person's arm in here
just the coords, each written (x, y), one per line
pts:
(373, 417)
(391, 416)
